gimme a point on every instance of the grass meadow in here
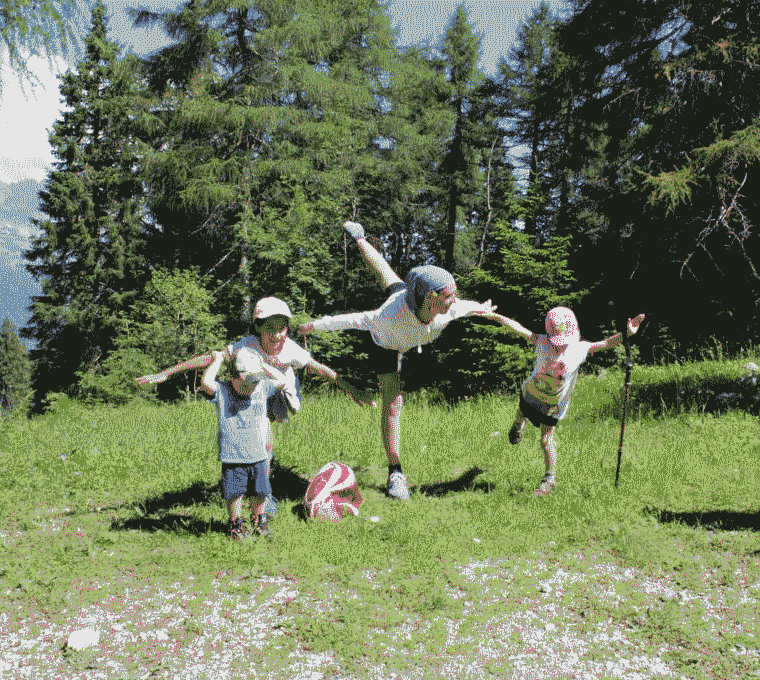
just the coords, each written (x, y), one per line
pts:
(112, 519)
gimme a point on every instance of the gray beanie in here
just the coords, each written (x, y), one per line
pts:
(423, 280)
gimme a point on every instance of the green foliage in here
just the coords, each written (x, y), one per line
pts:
(89, 257)
(34, 25)
(667, 148)
(524, 281)
(292, 114)
(15, 373)
(171, 323)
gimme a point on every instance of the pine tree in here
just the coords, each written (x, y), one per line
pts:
(268, 116)
(671, 88)
(15, 372)
(37, 26)
(461, 51)
(522, 77)
(89, 257)
(524, 281)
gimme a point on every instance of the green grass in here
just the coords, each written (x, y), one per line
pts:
(96, 500)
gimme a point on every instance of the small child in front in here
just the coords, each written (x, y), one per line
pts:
(545, 395)
(245, 445)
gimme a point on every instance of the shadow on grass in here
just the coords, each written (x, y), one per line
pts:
(712, 520)
(706, 394)
(464, 482)
(172, 511)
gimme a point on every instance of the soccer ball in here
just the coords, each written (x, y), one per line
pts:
(333, 493)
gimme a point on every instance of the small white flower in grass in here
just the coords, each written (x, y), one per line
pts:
(494, 434)
(476, 539)
(374, 518)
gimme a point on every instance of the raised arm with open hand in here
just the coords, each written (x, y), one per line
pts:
(200, 361)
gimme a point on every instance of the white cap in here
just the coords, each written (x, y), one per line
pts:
(271, 306)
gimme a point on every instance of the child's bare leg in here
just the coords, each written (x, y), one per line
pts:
(257, 506)
(377, 263)
(549, 445)
(235, 508)
(518, 426)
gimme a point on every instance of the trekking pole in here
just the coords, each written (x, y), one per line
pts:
(628, 369)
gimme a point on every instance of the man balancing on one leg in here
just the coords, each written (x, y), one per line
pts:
(414, 314)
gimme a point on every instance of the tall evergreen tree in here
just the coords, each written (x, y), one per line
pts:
(267, 114)
(525, 281)
(670, 86)
(89, 257)
(461, 52)
(15, 371)
(522, 76)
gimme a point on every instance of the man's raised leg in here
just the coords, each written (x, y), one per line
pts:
(371, 256)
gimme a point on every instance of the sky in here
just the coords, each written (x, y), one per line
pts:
(29, 109)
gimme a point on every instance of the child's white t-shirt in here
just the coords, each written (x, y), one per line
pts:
(244, 428)
(396, 327)
(291, 356)
(552, 381)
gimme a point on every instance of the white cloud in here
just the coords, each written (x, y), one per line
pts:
(27, 113)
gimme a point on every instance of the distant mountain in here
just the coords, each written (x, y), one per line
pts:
(19, 204)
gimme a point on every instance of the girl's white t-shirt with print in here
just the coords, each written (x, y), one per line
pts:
(552, 381)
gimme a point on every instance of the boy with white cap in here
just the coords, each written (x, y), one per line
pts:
(245, 446)
(266, 352)
(414, 314)
(545, 395)
(264, 362)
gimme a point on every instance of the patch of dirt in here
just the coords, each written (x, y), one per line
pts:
(523, 620)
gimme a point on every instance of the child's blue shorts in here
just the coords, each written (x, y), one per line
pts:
(245, 479)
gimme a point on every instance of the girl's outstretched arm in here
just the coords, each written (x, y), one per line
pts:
(512, 326)
(357, 395)
(200, 361)
(615, 340)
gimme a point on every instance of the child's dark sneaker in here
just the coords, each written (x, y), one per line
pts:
(261, 527)
(546, 486)
(516, 432)
(239, 531)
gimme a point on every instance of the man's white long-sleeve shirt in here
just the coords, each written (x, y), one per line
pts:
(394, 326)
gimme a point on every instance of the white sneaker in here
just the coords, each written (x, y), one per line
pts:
(397, 486)
(354, 229)
(294, 402)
